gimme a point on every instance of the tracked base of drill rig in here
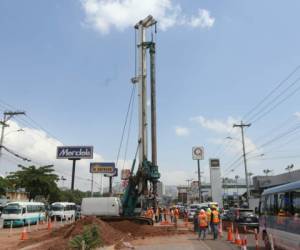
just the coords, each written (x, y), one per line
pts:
(137, 219)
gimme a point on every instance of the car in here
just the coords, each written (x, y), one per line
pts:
(242, 217)
(192, 210)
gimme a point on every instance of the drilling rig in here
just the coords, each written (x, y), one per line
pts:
(143, 184)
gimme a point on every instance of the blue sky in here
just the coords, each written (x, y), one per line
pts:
(73, 77)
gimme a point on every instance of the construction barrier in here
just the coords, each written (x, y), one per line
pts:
(49, 226)
(238, 240)
(220, 229)
(24, 234)
(229, 235)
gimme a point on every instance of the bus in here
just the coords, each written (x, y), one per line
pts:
(279, 220)
(22, 213)
(63, 210)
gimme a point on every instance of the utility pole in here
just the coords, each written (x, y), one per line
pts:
(7, 115)
(242, 125)
(237, 190)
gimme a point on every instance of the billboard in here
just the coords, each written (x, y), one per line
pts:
(102, 167)
(214, 163)
(114, 174)
(198, 153)
(74, 152)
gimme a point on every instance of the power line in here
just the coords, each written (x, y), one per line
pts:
(263, 100)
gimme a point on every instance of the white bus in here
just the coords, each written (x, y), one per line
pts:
(23, 213)
(280, 216)
(63, 210)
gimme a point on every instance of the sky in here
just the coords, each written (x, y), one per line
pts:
(68, 64)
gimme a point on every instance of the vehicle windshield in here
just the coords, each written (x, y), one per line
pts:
(12, 209)
(193, 207)
(57, 208)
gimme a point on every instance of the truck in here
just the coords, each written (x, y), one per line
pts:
(101, 206)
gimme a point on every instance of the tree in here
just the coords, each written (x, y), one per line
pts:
(4, 185)
(39, 181)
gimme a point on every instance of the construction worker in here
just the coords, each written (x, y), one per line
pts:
(172, 214)
(281, 217)
(160, 214)
(156, 214)
(203, 224)
(165, 211)
(215, 220)
(176, 215)
(208, 214)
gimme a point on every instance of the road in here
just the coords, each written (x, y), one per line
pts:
(179, 242)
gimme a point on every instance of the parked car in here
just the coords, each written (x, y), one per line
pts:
(242, 217)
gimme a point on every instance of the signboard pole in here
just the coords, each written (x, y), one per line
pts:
(110, 185)
(92, 185)
(73, 173)
(199, 182)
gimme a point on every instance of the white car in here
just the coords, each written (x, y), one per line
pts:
(63, 210)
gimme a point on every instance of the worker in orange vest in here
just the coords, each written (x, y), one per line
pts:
(203, 224)
(172, 214)
(215, 220)
(208, 215)
(165, 211)
(176, 215)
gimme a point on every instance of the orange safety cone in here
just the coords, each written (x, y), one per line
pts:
(229, 235)
(238, 240)
(24, 234)
(49, 226)
(221, 229)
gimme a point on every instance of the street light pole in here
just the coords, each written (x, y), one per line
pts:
(242, 125)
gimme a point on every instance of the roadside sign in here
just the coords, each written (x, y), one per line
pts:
(102, 167)
(214, 163)
(198, 153)
(114, 174)
(74, 152)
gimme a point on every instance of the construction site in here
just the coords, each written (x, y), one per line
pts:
(63, 197)
(119, 235)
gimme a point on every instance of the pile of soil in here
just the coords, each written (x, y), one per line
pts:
(138, 230)
(59, 238)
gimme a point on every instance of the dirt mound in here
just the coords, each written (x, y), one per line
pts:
(62, 236)
(137, 230)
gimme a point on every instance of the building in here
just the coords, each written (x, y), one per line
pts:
(260, 183)
(160, 189)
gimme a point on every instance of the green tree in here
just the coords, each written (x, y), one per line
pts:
(4, 185)
(37, 181)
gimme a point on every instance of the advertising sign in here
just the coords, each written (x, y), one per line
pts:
(214, 163)
(74, 152)
(198, 153)
(114, 174)
(102, 167)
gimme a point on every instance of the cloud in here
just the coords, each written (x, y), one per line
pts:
(40, 148)
(215, 125)
(225, 129)
(182, 131)
(202, 20)
(121, 14)
(297, 114)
